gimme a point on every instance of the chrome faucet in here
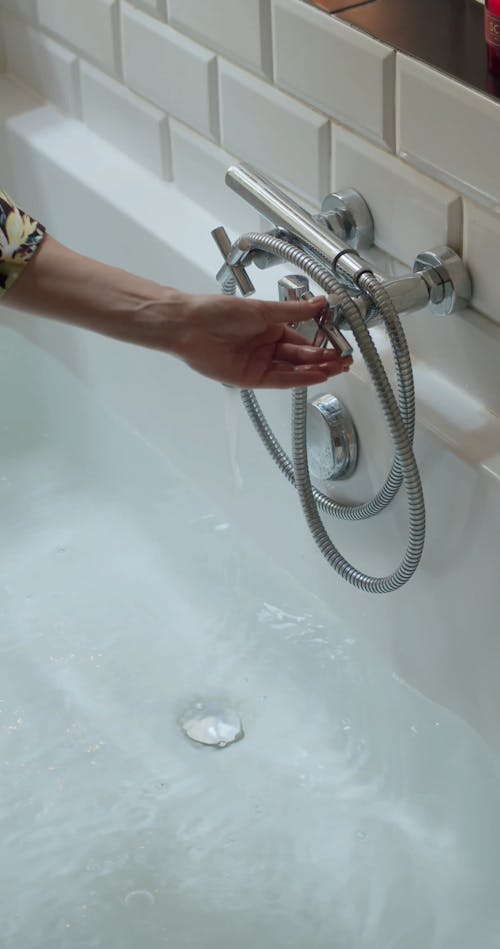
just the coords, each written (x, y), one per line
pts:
(334, 237)
(326, 248)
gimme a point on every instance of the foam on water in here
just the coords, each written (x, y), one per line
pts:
(355, 813)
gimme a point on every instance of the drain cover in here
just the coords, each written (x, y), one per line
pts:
(209, 723)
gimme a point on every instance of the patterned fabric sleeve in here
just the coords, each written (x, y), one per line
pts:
(20, 236)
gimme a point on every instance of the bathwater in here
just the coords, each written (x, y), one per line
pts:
(353, 813)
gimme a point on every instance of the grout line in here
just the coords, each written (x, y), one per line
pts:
(117, 40)
(214, 103)
(266, 38)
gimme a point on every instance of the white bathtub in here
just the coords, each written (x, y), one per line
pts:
(151, 554)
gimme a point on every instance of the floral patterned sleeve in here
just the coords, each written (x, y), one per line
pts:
(20, 236)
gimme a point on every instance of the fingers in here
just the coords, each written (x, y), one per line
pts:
(285, 379)
(301, 355)
(294, 311)
(290, 377)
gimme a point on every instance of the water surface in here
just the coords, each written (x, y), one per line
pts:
(354, 813)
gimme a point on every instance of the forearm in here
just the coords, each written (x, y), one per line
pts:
(63, 285)
(246, 343)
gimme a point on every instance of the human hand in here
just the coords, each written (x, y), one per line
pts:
(247, 343)
(244, 343)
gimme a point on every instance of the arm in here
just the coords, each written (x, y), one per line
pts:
(244, 343)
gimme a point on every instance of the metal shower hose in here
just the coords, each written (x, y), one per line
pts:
(400, 421)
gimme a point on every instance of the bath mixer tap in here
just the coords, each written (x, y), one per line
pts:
(439, 280)
(325, 247)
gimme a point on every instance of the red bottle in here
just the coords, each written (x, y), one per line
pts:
(492, 26)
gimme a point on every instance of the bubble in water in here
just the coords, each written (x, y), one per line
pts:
(211, 724)
(139, 898)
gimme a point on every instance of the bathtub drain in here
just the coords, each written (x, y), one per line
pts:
(209, 723)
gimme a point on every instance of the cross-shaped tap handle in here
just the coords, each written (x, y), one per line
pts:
(232, 265)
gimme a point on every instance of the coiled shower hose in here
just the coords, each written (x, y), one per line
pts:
(400, 421)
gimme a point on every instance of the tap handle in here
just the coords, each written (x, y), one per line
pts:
(323, 330)
(230, 266)
(327, 332)
(293, 287)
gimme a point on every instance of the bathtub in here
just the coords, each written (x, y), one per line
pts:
(152, 556)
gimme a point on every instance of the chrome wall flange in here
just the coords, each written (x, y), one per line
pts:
(447, 278)
(332, 440)
(347, 214)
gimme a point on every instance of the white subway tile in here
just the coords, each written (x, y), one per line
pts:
(199, 171)
(240, 29)
(411, 213)
(91, 26)
(171, 70)
(448, 130)
(24, 8)
(131, 124)
(334, 67)
(464, 347)
(41, 64)
(274, 132)
(482, 256)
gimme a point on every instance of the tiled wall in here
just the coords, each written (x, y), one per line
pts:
(186, 86)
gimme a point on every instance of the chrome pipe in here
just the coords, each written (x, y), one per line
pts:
(408, 294)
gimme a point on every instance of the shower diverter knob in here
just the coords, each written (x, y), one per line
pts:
(332, 440)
